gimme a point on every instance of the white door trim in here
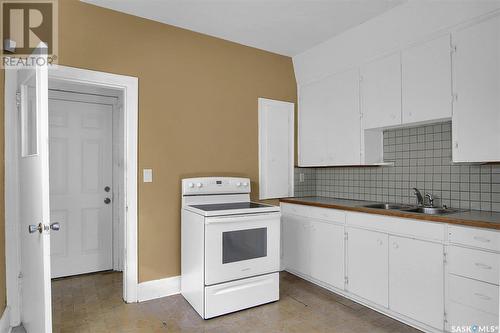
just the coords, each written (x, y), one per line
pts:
(11, 163)
(129, 86)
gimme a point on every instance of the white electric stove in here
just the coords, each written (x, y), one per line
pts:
(230, 246)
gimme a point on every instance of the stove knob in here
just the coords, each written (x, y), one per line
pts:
(191, 185)
(245, 184)
(199, 185)
(238, 184)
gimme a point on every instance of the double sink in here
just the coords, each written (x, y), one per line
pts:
(413, 209)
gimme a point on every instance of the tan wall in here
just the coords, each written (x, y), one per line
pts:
(197, 109)
(198, 112)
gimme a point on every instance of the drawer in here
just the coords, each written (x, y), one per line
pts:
(475, 264)
(461, 315)
(476, 294)
(398, 226)
(293, 209)
(241, 294)
(481, 238)
(328, 214)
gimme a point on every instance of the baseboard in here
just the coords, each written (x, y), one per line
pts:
(5, 321)
(158, 288)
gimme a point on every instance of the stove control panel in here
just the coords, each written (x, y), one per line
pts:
(215, 185)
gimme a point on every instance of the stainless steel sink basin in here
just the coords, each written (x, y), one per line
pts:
(431, 210)
(413, 209)
(388, 206)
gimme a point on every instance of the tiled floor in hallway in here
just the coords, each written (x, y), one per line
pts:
(93, 303)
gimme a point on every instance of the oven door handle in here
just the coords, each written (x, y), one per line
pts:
(241, 218)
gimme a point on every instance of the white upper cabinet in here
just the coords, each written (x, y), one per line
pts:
(456, 75)
(381, 92)
(476, 84)
(426, 86)
(329, 121)
(312, 128)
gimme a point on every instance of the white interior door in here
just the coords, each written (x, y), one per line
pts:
(276, 152)
(81, 165)
(36, 313)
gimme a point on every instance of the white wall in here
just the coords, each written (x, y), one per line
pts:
(411, 22)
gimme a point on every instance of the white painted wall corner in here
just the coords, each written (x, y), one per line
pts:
(158, 288)
(5, 321)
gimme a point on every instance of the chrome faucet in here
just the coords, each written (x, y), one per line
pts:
(420, 199)
(430, 199)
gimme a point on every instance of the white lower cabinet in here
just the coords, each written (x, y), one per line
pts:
(314, 247)
(473, 276)
(416, 282)
(368, 265)
(397, 265)
(327, 253)
(297, 246)
(471, 302)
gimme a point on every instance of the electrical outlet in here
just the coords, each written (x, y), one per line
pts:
(301, 177)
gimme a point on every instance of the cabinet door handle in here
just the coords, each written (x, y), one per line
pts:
(379, 242)
(395, 245)
(482, 296)
(482, 239)
(481, 265)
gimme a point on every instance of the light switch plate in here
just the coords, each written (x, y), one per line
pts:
(147, 175)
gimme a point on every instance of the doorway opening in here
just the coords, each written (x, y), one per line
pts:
(86, 178)
(92, 141)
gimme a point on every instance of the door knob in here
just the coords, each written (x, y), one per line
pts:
(107, 201)
(55, 226)
(107, 189)
(32, 228)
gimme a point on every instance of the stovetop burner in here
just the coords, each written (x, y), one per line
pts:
(229, 206)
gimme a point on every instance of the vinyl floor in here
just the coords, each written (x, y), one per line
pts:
(93, 303)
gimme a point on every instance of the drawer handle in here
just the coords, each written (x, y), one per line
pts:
(481, 265)
(482, 239)
(482, 296)
(242, 286)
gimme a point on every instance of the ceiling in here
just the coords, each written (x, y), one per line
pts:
(286, 27)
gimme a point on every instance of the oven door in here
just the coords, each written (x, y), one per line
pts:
(240, 246)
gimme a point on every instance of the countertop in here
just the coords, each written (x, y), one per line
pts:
(472, 218)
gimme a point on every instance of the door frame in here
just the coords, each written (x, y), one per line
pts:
(128, 85)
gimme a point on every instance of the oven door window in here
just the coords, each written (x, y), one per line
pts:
(242, 245)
